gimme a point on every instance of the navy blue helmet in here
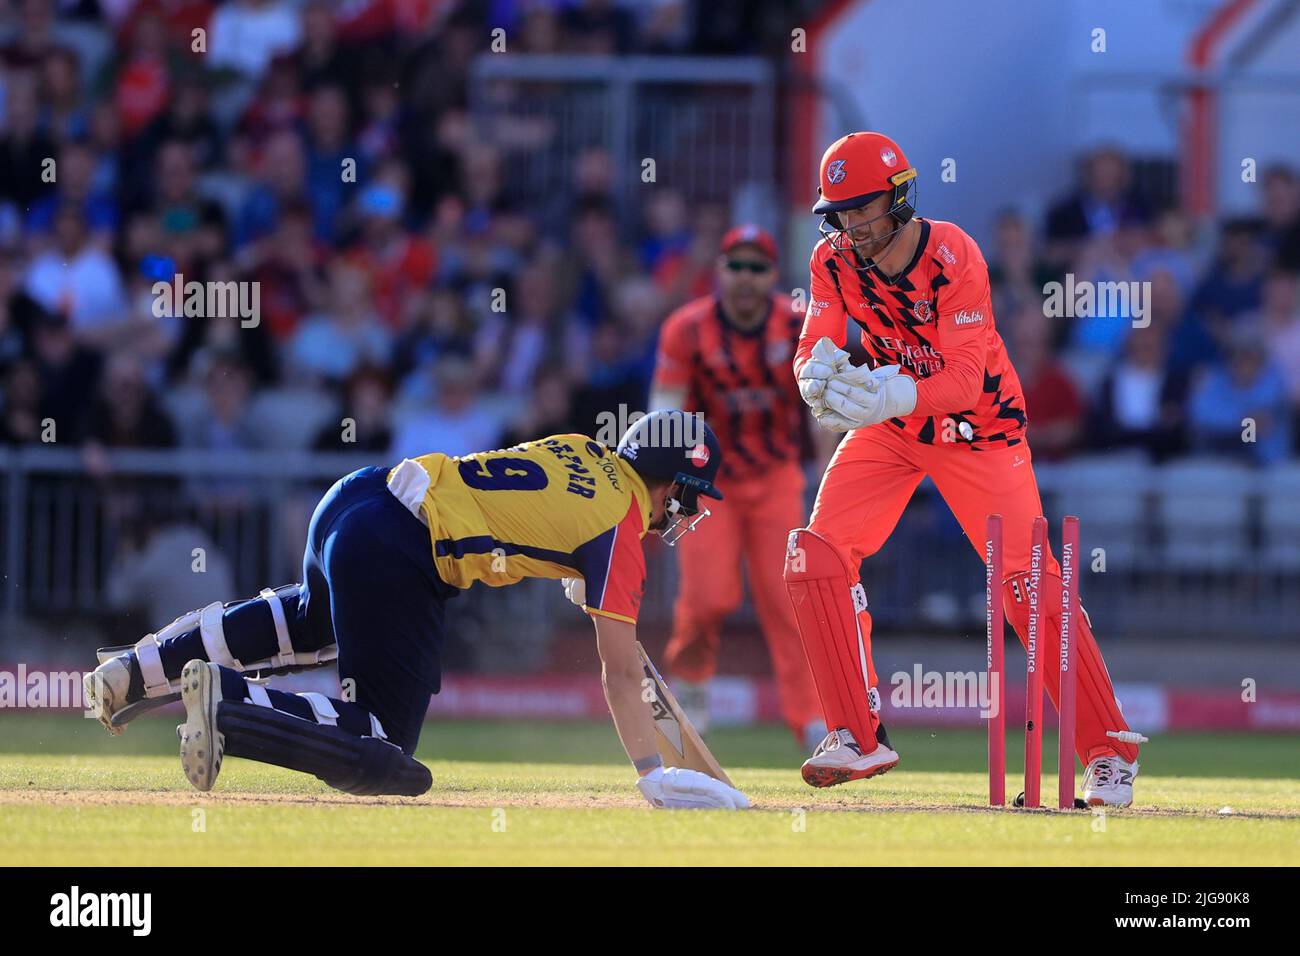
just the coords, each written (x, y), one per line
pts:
(672, 445)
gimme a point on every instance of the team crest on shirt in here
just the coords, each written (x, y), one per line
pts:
(835, 172)
(922, 310)
(889, 157)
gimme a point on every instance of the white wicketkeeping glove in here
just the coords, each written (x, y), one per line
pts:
(680, 789)
(823, 362)
(885, 394)
(575, 589)
(831, 421)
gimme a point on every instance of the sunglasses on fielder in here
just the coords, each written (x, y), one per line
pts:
(745, 265)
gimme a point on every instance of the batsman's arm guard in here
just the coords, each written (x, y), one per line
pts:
(159, 689)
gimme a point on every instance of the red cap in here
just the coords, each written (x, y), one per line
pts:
(750, 235)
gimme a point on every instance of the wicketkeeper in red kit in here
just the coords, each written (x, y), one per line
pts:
(939, 398)
(727, 356)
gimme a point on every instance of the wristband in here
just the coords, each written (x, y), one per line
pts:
(646, 764)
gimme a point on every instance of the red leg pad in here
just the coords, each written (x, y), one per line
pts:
(822, 591)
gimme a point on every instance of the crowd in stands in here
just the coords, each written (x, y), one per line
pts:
(1208, 362)
(433, 306)
(321, 151)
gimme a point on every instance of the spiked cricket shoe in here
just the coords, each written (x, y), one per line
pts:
(1108, 782)
(202, 745)
(839, 759)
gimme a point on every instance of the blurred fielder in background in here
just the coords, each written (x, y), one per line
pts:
(727, 356)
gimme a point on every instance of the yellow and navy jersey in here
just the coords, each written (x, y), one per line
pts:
(558, 507)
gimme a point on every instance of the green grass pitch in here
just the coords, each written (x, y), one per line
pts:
(562, 793)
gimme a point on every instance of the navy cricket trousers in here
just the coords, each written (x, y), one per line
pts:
(370, 587)
(370, 582)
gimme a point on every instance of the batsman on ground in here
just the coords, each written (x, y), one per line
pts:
(941, 399)
(386, 549)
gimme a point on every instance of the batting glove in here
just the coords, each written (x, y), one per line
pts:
(575, 589)
(675, 788)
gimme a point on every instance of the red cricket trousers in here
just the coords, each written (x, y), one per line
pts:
(750, 526)
(868, 483)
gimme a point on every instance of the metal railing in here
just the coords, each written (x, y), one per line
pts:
(707, 123)
(1168, 556)
(63, 530)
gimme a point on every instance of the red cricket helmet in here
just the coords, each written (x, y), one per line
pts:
(856, 169)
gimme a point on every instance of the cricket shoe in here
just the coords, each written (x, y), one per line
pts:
(202, 745)
(839, 759)
(105, 690)
(1108, 782)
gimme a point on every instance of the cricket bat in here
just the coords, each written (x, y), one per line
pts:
(677, 741)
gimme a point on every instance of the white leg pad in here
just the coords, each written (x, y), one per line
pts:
(214, 636)
(322, 708)
(156, 683)
(151, 668)
(208, 621)
(286, 656)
